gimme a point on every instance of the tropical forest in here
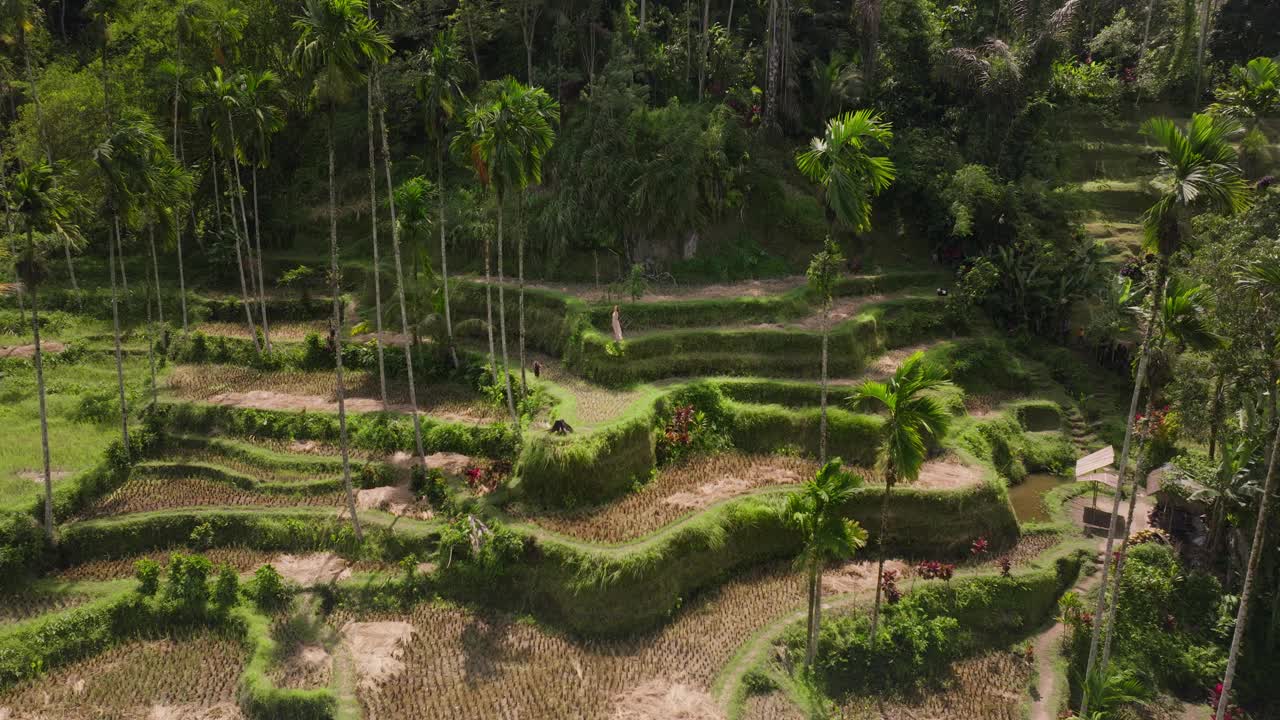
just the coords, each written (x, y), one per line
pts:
(639, 359)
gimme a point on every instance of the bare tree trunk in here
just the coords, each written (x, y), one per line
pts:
(151, 347)
(238, 192)
(44, 413)
(822, 417)
(488, 306)
(405, 327)
(155, 270)
(706, 47)
(244, 288)
(884, 524)
(13, 244)
(1255, 554)
(1142, 52)
(502, 324)
(524, 379)
(377, 265)
(444, 257)
(217, 194)
(643, 9)
(1143, 362)
(813, 612)
(336, 288)
(728, 25)
(1206, 7)
(177, 155)
(770, 119)
(124, 278)
(115, 323)
(1214, 411)
(262, 279)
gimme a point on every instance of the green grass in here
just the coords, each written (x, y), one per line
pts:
(74, 446)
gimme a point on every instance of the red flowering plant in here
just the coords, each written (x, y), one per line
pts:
(934, 570)
(979, 547)
(686, 432)
(1233, 711)
(889, 584)
(482, 481)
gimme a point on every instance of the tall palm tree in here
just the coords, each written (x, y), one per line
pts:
(824, 271)
(335, 39)
(186, 16)
(1263, 277)
(841, 163)
(1198, 172)
(34, 197)
(261, 101)
(1183, 324)
(506, 138)
(19, 16)
(913, 418)
(167, 199)
(220, 99)
(816, 510)
(373, 234)
(440, 91)
(126, 160)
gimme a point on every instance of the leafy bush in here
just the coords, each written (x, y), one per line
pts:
(186, 583)
(148, 573)
(268, 590)
(226, 589)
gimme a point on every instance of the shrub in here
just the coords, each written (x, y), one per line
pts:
(148, 573)
(186, 588)
(268, 590)
(226, 589)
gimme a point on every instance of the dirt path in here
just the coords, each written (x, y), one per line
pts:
(29, 351)
(1049, 642)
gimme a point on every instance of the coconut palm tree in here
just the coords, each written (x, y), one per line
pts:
(1198, 172)
(1263, 277)
(186, 16)
(816, 510)
(261, 102)
(169, 193)
(335, 40)
(506, 138)
(913, 418)
(824, 271)
(34, 198)
(841, 164)
(220, 99)
(17, 17)
(440, 92)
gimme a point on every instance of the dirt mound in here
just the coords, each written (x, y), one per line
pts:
(377, 648)
(313, 569)
(29, 351)
(451, 464)
(858, 577)
(395, 499)
(664, 700)
(948, 474)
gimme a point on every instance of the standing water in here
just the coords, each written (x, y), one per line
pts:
(1027, 497)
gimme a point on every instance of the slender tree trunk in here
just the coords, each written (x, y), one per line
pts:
(115, 323)
(884, 526)
(488, 307)
(33, 88)
(377, 265)
(14, 252)
(1142, 51)
(728, 25)
(151, 347)
(444, 258)
(262, 278)
(812, 595)
(1255, 554)
(1143, 362)
(124, 278)
(244, 288)
(217, 194)
(822, 417)
(155, 270)
(471, 35)
(770, 119)
(706, 47)
(524, 379)
(238, 192)
(1109, 629)
(643, 9)
(1214, 411)
(502, 325)
(336, 288)
(44, 414)
(177, 155)
(405, 327)
(1205, 11)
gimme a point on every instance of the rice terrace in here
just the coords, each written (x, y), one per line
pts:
(639, 360)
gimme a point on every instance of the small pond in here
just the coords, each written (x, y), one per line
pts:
(1027, 497)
